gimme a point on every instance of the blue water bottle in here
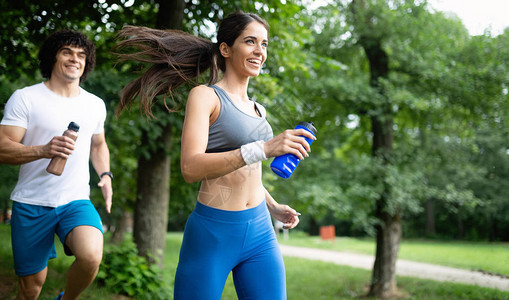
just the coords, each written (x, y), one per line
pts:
(285, 164)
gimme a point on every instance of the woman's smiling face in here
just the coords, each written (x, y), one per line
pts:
(249, 50)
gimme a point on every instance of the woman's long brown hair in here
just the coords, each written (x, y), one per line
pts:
(175, 57)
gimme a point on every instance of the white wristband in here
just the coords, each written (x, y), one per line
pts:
(253, 152)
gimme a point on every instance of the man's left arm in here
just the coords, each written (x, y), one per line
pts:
(100, 156)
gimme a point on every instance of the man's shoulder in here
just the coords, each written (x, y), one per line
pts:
(27, 92)
(90, 95)
(32, 88)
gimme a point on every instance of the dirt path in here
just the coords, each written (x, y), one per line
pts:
(7, 285)
(403, 267)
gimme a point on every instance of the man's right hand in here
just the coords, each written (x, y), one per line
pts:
(61, 146)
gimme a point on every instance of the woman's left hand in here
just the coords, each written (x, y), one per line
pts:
(287, 215)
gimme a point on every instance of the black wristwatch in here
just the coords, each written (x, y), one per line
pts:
(106, 173)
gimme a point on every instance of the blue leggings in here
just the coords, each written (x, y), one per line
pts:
(218, 241)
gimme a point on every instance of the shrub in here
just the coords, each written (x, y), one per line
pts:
(122, 271)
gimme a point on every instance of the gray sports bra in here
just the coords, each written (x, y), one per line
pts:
(234, 128)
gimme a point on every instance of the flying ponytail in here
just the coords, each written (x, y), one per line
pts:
(175, 57)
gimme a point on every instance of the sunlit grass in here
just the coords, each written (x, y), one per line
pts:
(306, 279)
(491, 257)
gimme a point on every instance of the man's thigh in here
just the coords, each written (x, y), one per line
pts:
(85, 242)
(79, 218)
(33, 236)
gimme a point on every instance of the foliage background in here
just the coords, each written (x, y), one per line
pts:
(448, 91)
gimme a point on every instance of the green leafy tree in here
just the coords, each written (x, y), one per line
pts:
(398, 94)
(150, 140)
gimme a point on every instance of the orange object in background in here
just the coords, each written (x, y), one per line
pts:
(328, 232)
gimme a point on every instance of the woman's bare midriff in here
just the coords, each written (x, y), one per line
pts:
(239, 190)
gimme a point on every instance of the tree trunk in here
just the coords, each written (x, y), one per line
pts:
(314, 229)
(151, 210)
(430, 217)
(493, 221)
(388, 230)
(170, 14)
(461, 227)
(388, 236)
(124, 225)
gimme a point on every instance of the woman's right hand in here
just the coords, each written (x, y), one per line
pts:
(289, 141)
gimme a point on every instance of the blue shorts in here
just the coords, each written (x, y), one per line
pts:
(33, 231)
(217, 242)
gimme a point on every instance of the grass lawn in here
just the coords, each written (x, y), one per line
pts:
(306, 279)
(490, 257)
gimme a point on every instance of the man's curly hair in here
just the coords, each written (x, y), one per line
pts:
(66, 37)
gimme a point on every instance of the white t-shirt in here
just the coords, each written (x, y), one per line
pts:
(44, 115)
